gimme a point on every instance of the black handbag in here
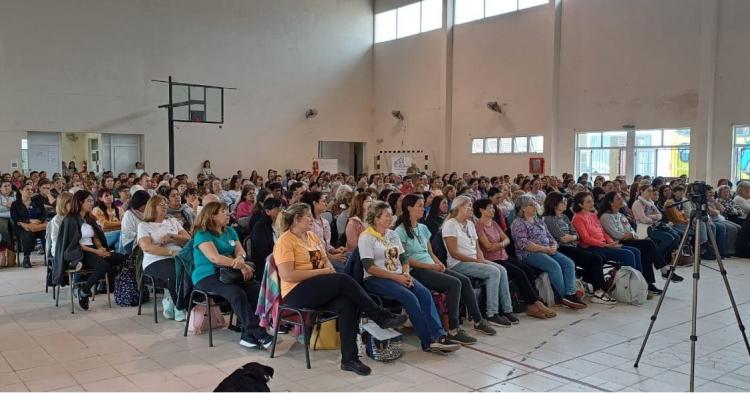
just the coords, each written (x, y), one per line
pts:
(229, 275)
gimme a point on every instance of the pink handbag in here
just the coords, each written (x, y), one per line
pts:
(199, 319)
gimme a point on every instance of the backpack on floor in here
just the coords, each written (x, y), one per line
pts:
(630, 286)
(544, 288)
(126, 289)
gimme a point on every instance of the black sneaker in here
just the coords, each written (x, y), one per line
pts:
(573, 301)
(499, 320)
(444, 344)
(249, 342)
(83, 298)
(356, 366)
(26, 261)
(392, 321)
(484, 328)
(654, 290)
(675, 277)
(461, 337)
(512, 318)
(285, 329)
(264, 339)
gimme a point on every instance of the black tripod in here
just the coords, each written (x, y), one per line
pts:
(697, 216)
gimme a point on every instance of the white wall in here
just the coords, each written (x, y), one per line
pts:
(86, 65)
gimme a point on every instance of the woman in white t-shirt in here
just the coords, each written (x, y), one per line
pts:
(387, 274)
(161, 238)
(464, 256)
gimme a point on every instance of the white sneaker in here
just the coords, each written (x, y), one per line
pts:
(601, 297)
(168, 307)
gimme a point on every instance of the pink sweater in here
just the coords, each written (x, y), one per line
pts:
(590, 230)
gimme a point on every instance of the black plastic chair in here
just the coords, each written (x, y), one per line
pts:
(205, 300)
(297, 316)
(154, 288)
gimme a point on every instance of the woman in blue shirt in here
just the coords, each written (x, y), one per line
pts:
(431, 272)
(216, 244)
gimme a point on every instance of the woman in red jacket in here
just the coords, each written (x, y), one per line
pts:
(593, 237)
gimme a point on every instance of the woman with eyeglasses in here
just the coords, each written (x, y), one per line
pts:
(536, 246)
(82, 240)
(646, 213)
(29, 221)
(161, 238)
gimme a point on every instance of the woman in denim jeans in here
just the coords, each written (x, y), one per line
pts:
(465, 256)
(536, 246)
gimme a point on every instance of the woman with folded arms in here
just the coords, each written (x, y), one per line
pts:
(618, 228)
(29, 217)
(387, 274)
(161, 238)
(436, 216)
(307, 279)
(322, 227)
(108, 216)
(646, 213)
(537, 247)
(431, 272)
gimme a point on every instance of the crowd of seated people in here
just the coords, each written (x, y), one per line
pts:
(494, 230)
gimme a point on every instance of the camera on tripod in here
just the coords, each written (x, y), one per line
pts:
(698, 192)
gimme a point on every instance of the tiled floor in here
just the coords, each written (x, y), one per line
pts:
(47, 348)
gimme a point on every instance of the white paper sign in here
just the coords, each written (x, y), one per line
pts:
(400, 163)
(330, 165)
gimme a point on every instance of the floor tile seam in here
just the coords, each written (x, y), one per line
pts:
(537, 369)
(417, 366)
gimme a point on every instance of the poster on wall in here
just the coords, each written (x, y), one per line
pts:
(330, 165)
(400, 163)
(536, 166)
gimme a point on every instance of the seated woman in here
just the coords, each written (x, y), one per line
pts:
(161, 238)
(537, 247)
(7, 197)
(82, 240)
(308, 279)
(178, 210)
(618, 228)
(492, 241)
(108, 216)
(29, 221)
(593, 237)
(322, 227)
(46, 197)
(731, 211)
(356, 223)
(387, 274)
(130, 220)
(431, 272)
(436, 215)
(215, 245)
(263, 236)
(565, 234)
(465, 257)
(63, 205)
(731, 229)
(247, 200)
(646, 213)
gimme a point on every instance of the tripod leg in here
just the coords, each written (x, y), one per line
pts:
(694, 312)
(723, 271)
(663, 295)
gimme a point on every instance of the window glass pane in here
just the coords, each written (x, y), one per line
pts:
(520, 144)
(676, 137)
(408, 20)
(672, 162)
(490, 146)
(536, 144)
(497, 7)
(648, 138)
(432, 15)
(468, 10)
(742, 163)
(601, 160)
(531, 3)
(24, 144)
(645, 162)
(584, 161)
(742, 135)
(506, 145)
(589, 139)
(385, 26)
(477, 146)
(614, 139)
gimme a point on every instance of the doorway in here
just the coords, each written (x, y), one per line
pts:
(50, 151)
(349, 155)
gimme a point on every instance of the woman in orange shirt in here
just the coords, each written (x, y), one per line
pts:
(308, 279)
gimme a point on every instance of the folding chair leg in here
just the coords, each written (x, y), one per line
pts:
(306, 340)
(109, 293)
(210, 327)
(189, 311)
(153, 286)
(70, 280)
(57, 296)
(140, 296)
(275, 337)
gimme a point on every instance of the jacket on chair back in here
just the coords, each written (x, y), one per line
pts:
(68, 248)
